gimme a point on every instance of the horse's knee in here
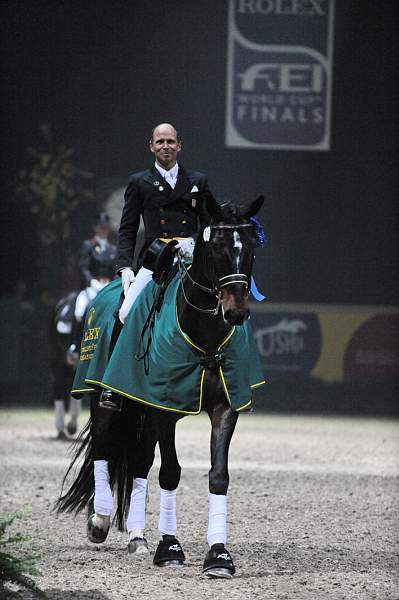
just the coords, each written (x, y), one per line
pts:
(218, 482)
(169, 477)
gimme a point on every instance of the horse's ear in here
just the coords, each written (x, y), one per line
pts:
(211, 211)
(250, 211)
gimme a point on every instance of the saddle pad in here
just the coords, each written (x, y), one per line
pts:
(175, 375)
(97, 333)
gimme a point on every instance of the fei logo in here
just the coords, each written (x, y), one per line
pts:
(287, 343)
(279, 74)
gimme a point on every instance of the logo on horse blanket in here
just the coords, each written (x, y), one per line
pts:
(175, 373)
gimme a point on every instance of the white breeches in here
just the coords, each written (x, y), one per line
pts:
(85, 297)
(142, 278)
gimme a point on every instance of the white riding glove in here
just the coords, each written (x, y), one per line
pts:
(128, 278)
(186, 247)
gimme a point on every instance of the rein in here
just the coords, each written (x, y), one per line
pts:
(183, 272)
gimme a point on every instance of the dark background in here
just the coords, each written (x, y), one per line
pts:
(103, 73)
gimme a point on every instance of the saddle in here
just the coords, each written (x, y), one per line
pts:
(159, 258)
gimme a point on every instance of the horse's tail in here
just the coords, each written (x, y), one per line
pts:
(81, 493)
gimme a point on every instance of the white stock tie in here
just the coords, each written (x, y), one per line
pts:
(170, 179)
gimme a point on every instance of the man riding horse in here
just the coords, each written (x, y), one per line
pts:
(201, 309)
(169, 199)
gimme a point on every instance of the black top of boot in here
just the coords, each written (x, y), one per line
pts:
(218, 558)
(169, 549)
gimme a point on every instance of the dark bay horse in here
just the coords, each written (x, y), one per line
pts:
(211, 301)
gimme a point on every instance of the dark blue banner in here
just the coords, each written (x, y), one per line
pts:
(287, 342)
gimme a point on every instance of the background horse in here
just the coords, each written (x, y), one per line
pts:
(64, 334)
(212, 299)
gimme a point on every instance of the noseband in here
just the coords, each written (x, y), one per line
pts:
(222, 282)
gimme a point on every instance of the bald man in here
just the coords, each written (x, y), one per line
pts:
(168, 197)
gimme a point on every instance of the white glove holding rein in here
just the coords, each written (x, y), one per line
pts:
(186, 247)
(128, 278)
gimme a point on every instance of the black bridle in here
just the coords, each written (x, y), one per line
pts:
(216, 290)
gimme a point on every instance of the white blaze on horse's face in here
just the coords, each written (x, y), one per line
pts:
(235, 297)
(238, 246)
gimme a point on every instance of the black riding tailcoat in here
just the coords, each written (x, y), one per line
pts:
(166, 212)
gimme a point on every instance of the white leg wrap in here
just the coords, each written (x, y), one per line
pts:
(135, 522)
(59, 414)
(167, 512)
(75, 406)
(102, 491)
(217, 520)
(142, 278)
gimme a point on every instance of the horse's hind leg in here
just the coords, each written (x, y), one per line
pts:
(99, 522)
(142, 459)
(218, 562)
(169, 551)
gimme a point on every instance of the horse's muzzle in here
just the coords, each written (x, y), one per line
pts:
(235, 304)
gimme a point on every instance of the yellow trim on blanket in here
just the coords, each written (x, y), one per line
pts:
(228, 336)
(244, 407)
(191, 343)
(83, 390)
(185, 336)
(226, 392)
(146, 402)
(253, 386)
(256, 385)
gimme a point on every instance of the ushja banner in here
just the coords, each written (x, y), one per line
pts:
(279, 74)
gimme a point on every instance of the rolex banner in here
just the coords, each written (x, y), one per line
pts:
(279, 74)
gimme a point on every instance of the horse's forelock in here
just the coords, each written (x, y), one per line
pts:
(230, 213)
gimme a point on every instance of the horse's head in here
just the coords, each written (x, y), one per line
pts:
(226, 247)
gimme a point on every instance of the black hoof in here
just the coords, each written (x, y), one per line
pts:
(169, 553)
(218, 563)
(111, 400)
(72, 428)
(97, 528)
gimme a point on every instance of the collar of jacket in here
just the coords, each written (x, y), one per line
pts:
(182, 185)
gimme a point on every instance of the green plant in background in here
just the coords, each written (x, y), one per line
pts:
(16, 569)
(53, 187)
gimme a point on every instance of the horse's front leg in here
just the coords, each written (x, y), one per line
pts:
(169, 551)
(218, 562)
